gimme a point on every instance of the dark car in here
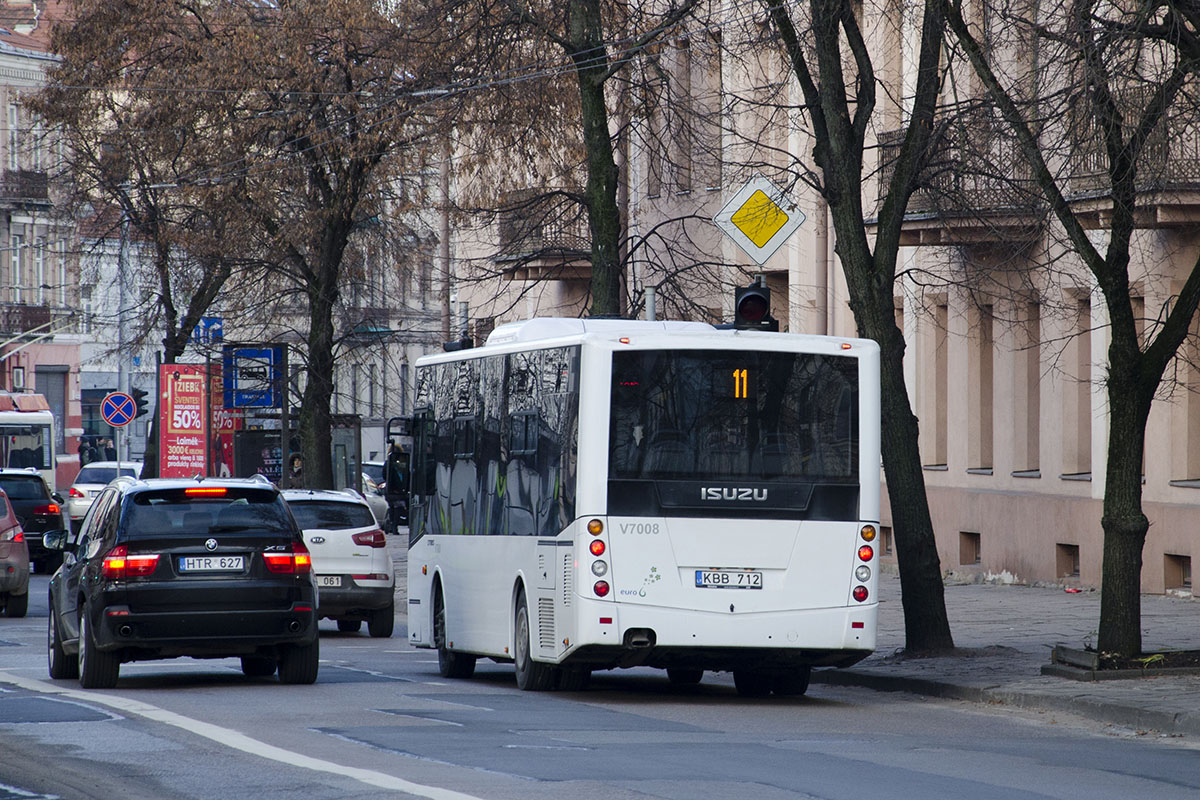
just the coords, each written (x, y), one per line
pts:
(205, 568)
(38, 509)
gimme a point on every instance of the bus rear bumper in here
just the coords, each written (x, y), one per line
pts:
(620, 635)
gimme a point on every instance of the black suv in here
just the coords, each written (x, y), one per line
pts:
(37, 508)
(206, 568)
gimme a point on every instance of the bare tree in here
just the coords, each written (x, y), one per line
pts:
(833, 65)
(1127, 76)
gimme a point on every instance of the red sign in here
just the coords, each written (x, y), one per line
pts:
(183, 421)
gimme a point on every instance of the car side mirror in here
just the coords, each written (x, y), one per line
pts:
(58, 498)
(55, 540)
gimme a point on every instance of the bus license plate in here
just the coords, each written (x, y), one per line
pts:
(728, 579)
(211, 564)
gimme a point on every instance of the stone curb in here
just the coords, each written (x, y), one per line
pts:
(1092, 707)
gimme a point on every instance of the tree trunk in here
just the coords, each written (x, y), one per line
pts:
(604, 217)
(1124, 524)
(316, 421)
(926, 625)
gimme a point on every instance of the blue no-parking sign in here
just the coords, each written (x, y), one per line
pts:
(118, 409)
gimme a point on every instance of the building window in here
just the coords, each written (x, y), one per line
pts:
(1066, 558)
(85, 293)
(62, 273)
(38, 144)
(371, 383)
(1178, 572)
(16, 244)
(39, 261)
(969, 549)
(14, 138)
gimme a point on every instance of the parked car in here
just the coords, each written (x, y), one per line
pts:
(372, 475)
(162, 568)
(90, 481)
(14, 562)
(373, 493)
(38, 510)
(354, 574)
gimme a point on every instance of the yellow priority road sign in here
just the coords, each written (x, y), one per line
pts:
(759, 218)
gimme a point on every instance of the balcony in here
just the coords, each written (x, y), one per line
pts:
(543, 236)
(976, 188)
(24, 187)
(1168, 182)
(20, 318)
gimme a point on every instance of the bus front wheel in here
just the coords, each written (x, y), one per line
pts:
(450, 663)
(531, 676)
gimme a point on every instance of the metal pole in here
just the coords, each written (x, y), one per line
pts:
(122, 333)
(651, 306)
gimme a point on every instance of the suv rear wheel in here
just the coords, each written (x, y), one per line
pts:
(17, 605)
(382, 621)
(298, 663)
(97, 670)
(61, 665)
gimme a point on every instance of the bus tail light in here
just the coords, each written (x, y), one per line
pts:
(866, 552)
(868, 533)
(860, 593)
(601, 588)
(595, 527)
(597, 547)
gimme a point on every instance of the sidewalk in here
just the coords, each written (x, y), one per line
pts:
(1005, 634)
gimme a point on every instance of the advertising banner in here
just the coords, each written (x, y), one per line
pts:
(183, 421)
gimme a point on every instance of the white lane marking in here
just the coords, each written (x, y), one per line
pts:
(236, 740)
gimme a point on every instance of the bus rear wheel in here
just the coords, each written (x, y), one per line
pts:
(790, 684)
(531, 676)
(752, 682)
(450, 663)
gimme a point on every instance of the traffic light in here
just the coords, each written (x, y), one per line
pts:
(139, 399)
(752, 308)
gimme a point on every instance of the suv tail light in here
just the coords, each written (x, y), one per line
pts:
(119, 564)
(52, 508)
(76, 493)
(373, 538)
(12, 535)
(296, 561)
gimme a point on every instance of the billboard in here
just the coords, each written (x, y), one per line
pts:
(183, 420)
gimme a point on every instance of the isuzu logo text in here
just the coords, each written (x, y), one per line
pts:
(726, 493)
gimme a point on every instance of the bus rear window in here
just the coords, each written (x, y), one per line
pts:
(724, 414)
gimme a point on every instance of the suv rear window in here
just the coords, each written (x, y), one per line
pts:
(204, 510)
(102, 474)
(333, 515)
(21, 488)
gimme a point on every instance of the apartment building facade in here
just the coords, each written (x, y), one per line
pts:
(1006, 331)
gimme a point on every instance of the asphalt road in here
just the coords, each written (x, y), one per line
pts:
(381, 722)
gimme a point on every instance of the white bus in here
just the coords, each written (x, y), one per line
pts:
(594, 494)
(27, 440)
